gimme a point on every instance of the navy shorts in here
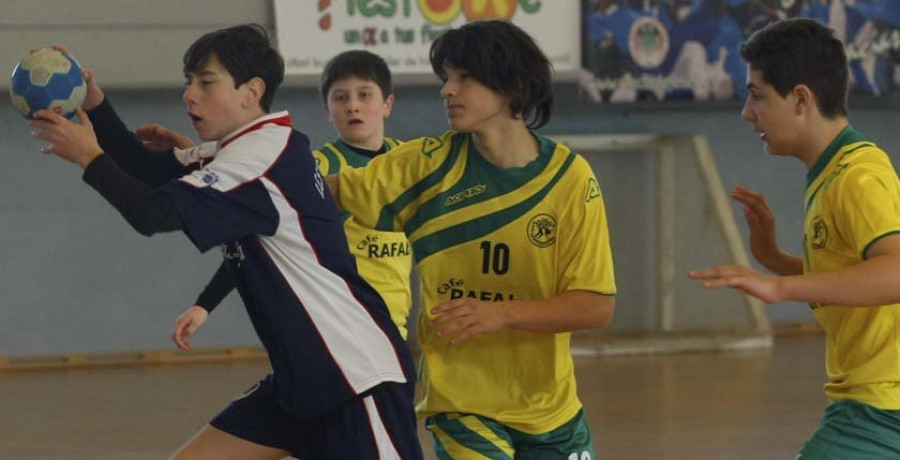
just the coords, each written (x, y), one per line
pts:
(378, 424)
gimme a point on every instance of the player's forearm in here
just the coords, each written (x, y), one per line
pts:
(783, 264)
(573, 310)
(155, 168)
(221, 284)
(873, 282)
(147, 209)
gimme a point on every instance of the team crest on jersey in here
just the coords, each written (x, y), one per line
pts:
(542, 230)
(593, 190)
(431, 145)
(820, 233)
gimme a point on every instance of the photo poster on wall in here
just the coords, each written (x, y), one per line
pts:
(671, 50)
(310, 32)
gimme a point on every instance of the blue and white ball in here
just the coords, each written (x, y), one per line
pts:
(47, 79)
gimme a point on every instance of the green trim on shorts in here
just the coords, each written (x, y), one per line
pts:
(469, 436)
(851, 430)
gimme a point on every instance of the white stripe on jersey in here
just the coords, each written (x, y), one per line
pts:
(243, 159)
(359, 347)
(366, 355)
(386, 449)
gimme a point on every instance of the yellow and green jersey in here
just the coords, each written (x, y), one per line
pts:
(383, 259)
(493, 234)
(852, 201)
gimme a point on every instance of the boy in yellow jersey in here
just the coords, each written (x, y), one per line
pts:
(509, 233)
(356, 89)
(850, 272)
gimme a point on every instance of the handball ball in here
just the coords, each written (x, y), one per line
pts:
(47, 79)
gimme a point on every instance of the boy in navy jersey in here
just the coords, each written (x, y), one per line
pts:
(342, 380)
(356, 90)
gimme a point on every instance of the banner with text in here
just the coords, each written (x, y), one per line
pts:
(310, 32)
(664, 50)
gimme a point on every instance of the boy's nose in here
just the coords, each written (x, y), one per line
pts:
(447, 90)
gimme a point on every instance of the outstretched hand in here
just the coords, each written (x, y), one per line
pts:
(157, 137)
(75, 142)
(767, 288)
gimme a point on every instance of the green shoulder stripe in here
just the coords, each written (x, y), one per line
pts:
(333, 155)
(481, 181)
(484, 225)
(386, 217)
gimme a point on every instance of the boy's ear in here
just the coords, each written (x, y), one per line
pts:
(255, 88)
(804, 99)
(388, 105)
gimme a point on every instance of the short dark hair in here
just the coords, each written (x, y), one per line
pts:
(801, 51)
(245, 52)
(504, 58)
(356, 63)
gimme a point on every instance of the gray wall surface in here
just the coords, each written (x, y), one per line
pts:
(77, 278)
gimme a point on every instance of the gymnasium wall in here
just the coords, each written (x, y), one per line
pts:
(76, 278)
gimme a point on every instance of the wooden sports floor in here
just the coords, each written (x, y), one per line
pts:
(736, 405)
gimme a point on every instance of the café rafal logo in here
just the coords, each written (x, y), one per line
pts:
(434, 11)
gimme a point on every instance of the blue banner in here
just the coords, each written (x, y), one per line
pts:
(664, 50)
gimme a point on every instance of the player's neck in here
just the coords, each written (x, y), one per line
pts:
(372, 143)
(506, 145)
(824, 134)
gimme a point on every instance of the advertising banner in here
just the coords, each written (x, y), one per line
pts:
(310, 32)
(662, 50)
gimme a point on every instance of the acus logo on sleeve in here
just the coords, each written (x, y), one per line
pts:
(431, 145)
(593, 190)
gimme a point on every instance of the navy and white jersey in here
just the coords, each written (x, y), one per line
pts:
(328, 334)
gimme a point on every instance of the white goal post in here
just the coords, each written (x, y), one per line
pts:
(668, 213)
